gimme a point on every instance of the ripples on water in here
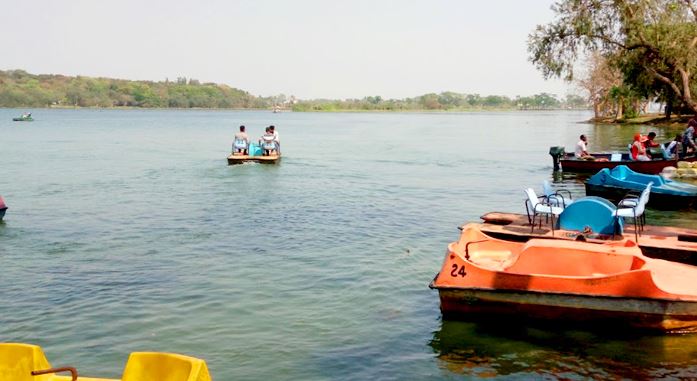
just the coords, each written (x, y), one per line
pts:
(128, 232)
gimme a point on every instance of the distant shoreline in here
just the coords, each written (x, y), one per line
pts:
(21, 89)
(290, 111)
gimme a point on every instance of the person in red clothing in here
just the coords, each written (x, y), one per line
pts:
(649, 143)
(638, 149)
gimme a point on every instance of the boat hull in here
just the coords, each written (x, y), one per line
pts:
(637, 313)
(565, 281)
(239, 159)
(571, 164)
(22, 119)
(656, 200)
(2, 213)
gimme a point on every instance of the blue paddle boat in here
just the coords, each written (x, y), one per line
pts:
(616, 183)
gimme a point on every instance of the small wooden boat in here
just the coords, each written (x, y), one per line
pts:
(26, 362)
(615, 183)
(3, 208)
(255, 155)
(611, 284)
(23, 118)
(239, 159)
(569, 162)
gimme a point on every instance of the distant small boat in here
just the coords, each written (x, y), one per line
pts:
(615, 183)
(23, 118)
(609, 284)
(3, 208)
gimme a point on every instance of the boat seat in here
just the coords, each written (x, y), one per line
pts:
(153, 366)
(17, 361)
(492, 259)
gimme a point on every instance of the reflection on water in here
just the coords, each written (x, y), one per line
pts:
(480, 350)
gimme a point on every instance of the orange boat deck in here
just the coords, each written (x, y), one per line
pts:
(662, 242)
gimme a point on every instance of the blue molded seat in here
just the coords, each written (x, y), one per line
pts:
(591, 214)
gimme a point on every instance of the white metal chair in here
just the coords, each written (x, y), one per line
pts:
(555, 198)
(634, 208)
(541, 207)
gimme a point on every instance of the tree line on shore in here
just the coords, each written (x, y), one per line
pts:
(21, 89)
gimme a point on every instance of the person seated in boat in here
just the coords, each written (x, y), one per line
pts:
(275, 138)
(688, 138)
(638, 150)
(672, 148)
(241, 143)
(267, 143)
(649, 143)
(581, 151)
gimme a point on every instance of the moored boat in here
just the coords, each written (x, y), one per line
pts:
(662, 242)
(569, 163)
(26, 362)
(615, 183)
(564, 280)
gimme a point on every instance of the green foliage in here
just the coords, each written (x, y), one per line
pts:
(21, 89)
(446, 101)
(652, 42)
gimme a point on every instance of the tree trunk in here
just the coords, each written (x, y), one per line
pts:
(620, 110)
(686, 95)
(596, 109)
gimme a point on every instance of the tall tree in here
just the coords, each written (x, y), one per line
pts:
(657, 37)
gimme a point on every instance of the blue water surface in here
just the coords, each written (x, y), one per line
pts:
(127, 232)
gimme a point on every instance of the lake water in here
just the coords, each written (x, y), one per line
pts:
(127, 231)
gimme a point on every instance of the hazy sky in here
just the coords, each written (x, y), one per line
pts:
(306, 48)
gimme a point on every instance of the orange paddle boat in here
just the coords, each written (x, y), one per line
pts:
(566, 281)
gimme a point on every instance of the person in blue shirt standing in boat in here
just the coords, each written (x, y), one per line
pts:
(241, 143)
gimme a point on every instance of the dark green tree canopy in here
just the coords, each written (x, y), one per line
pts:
(652, 42)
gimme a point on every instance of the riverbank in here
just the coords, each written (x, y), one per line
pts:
(655, 119)
(419, 111)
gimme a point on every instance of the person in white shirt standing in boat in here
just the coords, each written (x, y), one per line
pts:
(275, 138)
(582, 149)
